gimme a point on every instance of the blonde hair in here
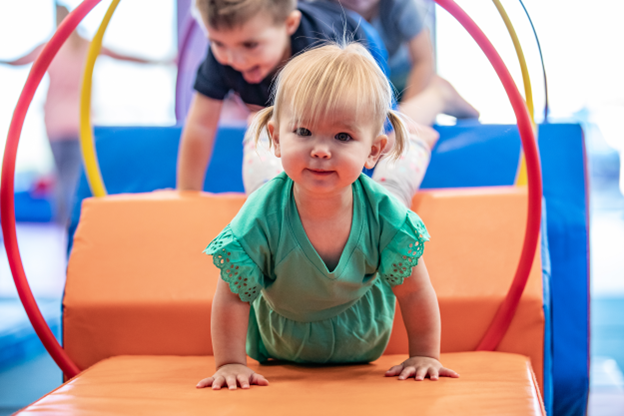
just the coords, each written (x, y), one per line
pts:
(228, 14)
(316, 83)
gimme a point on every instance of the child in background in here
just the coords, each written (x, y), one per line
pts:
(250, 40)
(402, 25)
(62, 109)
(312, 263)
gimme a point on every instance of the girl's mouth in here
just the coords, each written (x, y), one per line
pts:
(321, 172)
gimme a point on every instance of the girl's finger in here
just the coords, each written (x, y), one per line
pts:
(231, 382)
(243, 380)
(258, 380)
(447, 372)
(207, 382)
(217, 382)
(433, 373)
(407, 373)
(421, 373)
(394, 371)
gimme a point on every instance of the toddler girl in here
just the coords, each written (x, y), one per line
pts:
(312, 263)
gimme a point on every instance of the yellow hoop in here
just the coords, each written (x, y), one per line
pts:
(87, 145)
(521, 175)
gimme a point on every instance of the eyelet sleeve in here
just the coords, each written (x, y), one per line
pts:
(404, 250)
(237, 268)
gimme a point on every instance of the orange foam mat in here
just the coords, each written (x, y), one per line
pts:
(490, 384)
(138, 283)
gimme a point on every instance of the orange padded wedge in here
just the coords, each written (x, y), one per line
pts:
(491, 383)
(138, 283)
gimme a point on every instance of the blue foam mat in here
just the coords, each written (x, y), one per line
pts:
(142, 159)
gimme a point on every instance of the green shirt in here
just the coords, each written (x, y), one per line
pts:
(301, 311)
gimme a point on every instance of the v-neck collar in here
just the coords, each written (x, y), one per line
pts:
(304, 242)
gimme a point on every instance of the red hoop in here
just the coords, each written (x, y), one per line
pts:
(7, 201)
(506, 311)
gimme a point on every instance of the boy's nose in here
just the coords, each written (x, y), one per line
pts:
(235, 59)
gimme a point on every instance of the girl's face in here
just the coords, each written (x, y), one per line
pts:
(330, 155)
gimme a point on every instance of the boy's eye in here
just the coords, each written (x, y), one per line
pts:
(250, 45)
(343, 137)
(302, 131)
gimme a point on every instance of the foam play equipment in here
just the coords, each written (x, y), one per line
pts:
(469, 155)
(155, 297)
(503, 316)
(496, 383)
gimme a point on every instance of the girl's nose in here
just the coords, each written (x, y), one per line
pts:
(321, 150)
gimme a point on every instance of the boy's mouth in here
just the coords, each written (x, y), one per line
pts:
(253, 75)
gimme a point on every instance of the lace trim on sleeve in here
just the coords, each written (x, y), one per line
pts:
(237, 269)
(403, 252)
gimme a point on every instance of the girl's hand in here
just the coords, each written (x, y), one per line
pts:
(419, 368)
(231, 375)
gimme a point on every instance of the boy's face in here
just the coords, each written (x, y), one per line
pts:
(255, 48)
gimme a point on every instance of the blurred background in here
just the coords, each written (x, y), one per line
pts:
(582, 44)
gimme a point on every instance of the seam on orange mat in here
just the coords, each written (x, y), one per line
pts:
(536, 388)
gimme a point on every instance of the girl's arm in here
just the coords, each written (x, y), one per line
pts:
(197, 142)
(421, 315)
(230, 317)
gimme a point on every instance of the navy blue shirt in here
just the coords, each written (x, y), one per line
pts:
(320, 21)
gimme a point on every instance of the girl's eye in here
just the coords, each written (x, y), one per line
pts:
(343, 137)
(302, 131)
(250, 45)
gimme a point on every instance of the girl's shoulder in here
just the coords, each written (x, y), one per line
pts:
(386, 213)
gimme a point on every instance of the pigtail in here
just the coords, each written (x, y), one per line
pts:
(401, 133)
(258, 124)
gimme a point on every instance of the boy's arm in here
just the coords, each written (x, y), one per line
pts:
(229, 321)
(423, 64)
(421, 315)
(197, 142)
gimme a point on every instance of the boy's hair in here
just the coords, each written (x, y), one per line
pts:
(228, 14)
(322, 80)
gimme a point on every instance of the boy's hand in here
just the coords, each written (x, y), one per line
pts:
(231, 375)
(419, 368)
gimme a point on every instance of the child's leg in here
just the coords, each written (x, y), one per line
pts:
(260, 164)
(403, 177)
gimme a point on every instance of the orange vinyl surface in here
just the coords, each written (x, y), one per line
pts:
(490, 384)
(138, 283)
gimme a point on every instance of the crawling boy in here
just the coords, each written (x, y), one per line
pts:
(250, 40)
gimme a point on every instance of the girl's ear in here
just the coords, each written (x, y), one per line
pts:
(274, 137)
(376, 150)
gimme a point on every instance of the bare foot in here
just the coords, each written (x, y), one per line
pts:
(454, 104)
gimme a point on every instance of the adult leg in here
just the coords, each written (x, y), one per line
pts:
(260, 164)
(439, 97)
(402, 178)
